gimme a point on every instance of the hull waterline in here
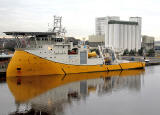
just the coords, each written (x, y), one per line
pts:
(27, 64)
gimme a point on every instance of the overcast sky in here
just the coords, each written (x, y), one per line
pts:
(78, 15)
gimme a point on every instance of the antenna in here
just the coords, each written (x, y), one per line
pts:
(57, 26)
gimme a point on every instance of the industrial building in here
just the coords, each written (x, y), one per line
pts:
(100, 24)
(147, 43)
(95, 40)
(157, 48)
(120, 34)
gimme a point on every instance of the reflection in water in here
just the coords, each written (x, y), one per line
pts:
(2, 79)
(51, 94)
(3, 66)
(118, 83)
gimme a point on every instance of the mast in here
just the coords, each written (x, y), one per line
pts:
(57, 26)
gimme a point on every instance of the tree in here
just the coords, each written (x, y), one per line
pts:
(126, 52)
(132, 53)
(140, 52)
(151, 52)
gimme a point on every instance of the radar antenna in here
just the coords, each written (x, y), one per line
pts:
(57, 26)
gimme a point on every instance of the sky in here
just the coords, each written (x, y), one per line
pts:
(78, 15)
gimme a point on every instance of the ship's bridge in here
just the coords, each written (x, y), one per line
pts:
(35, 39)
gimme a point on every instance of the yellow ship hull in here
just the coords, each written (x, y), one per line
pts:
(27, 64)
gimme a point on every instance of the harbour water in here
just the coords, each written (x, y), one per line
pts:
(131, 92)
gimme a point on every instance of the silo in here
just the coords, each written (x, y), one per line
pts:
(121, 36)
(125, 37)
(133, 37)
(129, 37)
(106, 33)
(138, 31)
(116, 36)
(110, 34)
(137, 38)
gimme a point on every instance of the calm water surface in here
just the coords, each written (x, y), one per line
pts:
(134, 92)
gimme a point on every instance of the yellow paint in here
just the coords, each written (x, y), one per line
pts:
(114, 73)
(92, 54)
(125, 73)
(25, 88)
(132, 65)
(113, 67)
(91, 89)
(31, 65)
(26, 64)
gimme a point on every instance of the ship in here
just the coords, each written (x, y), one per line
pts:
(48, 53)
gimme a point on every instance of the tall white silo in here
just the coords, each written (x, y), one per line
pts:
(138, 31)
(129, 37)
(133, 37)
(116, 36)
(125, 37)
(106, 35)
(121, 44)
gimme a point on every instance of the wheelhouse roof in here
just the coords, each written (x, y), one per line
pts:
(29, 33)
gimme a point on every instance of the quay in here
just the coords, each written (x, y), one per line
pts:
(4, 60)
(149, 60)
(3, 67)
(4, 56)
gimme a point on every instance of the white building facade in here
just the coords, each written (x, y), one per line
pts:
(100, 24)
(95, 40)
(120, 34)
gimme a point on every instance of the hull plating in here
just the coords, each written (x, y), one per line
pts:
(26, 64)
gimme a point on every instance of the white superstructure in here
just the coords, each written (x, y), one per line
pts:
(60, 53)
(120, 34)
